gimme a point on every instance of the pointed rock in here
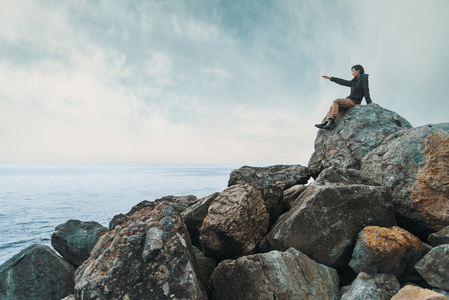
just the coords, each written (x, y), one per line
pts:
(325, 220)
(75, 239)
(434, 267)
(236, 222)
(359, 130)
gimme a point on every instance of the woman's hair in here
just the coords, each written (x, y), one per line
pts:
(358, 68)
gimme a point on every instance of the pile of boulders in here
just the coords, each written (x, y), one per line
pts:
(373, 224)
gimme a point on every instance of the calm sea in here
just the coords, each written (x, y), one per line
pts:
(35, 199)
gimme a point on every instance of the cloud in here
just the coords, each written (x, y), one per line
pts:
(205, 81)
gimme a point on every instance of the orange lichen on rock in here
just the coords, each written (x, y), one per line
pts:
(430, 192)
(390, 242)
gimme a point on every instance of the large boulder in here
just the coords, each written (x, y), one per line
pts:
(326, 218)
(236, 222)
(388, 250)
(274, 275)
(372, 287)
(284, 176)
(411, 292)
(37, 272)
(271, 182)
(359, 130)
(75, 239)
(193, 217)
(414, 165)
(147, 256)
(434, 267)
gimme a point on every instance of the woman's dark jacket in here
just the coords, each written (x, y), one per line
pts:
(359, 88)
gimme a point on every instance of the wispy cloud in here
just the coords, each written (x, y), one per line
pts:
(205, 81)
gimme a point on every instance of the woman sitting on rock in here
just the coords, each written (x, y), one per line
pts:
(359, 89)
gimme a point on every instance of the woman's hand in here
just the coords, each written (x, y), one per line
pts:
(326, 77)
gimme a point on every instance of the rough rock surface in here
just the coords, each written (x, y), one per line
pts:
(411, 292)
(388, 250)
(147, 256)
(204, 268)
(358, 131)
(326, 218)
(36, 273)
(193, 217)
(434, 267)
(274, 275)
(414, 164)
(75, 239)
(178, 202)
(236, 222)
(439, 238)
(372, 287)
(290, 196)
(284, 176)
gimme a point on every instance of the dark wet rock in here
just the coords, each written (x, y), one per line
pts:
(36, 273)
(434, 267)
(75, 239)
(193, 217)
(439, 238)
(290, 196)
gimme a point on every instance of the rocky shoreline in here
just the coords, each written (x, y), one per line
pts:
(374, 224)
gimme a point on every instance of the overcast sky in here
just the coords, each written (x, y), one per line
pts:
(206, 81)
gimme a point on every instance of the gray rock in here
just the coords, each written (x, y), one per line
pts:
(414, 165)
(147, 256)
(274, 275)
(388, 250)
(290, 196)
(204, 268)
(372, 287)
(439, 238)
(434, 267)
(326, 218)
(178, 202)
(284, 176)
(75, 239)
(36, 273)
(193, 217)
(359, 130)
(236, 222)
(118, 219)
(271, 182)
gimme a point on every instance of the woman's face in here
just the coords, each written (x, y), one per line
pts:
(355, 72)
